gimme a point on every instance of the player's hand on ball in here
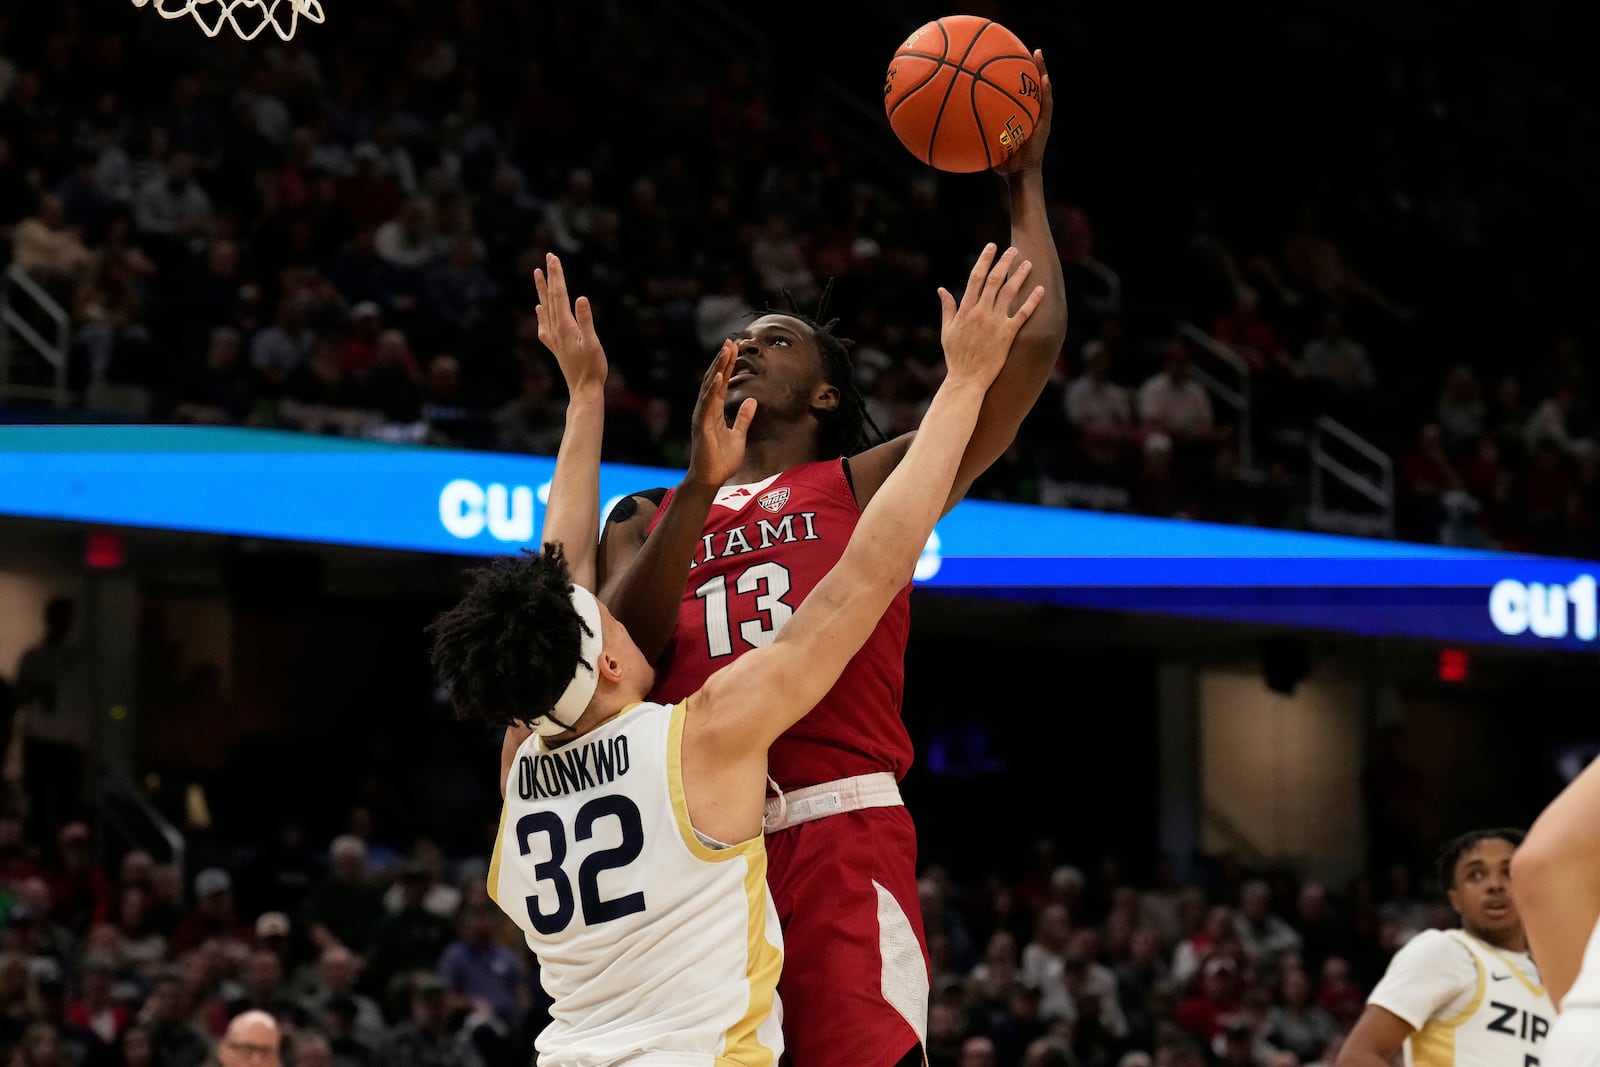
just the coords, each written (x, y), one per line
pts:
(1032, 151)
(978, 334)
(718, 448)
(567, 328)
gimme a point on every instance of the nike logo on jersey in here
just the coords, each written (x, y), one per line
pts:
(1499, 977)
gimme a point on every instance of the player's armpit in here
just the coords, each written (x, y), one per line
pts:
(1375, 1040)
(514, 737)
(870, 469)
(620, 540)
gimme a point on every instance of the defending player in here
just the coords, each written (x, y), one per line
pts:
(719, 568)
(1461, 998)
(630, 848)
(1557, 877)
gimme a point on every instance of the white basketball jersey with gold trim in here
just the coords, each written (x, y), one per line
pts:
(1575, 1037)
(656, 948)
(1505, 1025)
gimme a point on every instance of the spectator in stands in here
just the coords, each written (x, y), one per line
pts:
(220, 390)
(213, 917)
(338, 970)
(412, 938)
(177, 1042)
(1099, 409)
(252, 1040)
(1220, 994)
(141, 946)
(282, 348)
(1551, 423)
(345, 908)
(438, 897)
(45, 246)
(451, 419)
(1173, 403)
(94, 1009)
(1264, 935)
(533, 422)
(426, 1039)
(1338, 994)
(1461, 412)
(393, 387)
(1295, 1022)
(171, 206)
(80, 895)
(488, 977)
(1430, 488)
(108, 309)
(1339, 367)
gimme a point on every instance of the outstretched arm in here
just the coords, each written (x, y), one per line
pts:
(644, 595)
(1555, 879)
(572, 516)
(1033, 352)
(746, 705)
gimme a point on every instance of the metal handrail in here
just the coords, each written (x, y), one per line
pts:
(114, 787)
(1237, 398)
(11, 320)
(1379, 491)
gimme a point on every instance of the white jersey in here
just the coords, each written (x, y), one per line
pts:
(1575, 1037)
(657, 948)
(1469, 1003)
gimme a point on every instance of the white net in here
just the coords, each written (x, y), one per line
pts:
(247, 18)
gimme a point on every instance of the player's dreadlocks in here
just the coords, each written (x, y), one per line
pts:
(511, 644)
(1452, 852)
(848, 428)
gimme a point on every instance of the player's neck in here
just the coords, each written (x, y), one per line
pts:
(1512, 942)
(768, 455)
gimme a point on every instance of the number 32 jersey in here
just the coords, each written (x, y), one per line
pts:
(763, 549)
(651, 942)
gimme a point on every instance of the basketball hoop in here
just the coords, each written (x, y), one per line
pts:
(247, 17)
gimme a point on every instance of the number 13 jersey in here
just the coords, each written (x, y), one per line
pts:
(651, 942)
(763, 549)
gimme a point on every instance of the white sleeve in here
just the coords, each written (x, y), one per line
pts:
(1433, 976)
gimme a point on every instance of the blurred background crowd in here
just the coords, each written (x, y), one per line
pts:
(338, 236)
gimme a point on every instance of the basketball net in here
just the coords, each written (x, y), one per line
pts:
(247, 17)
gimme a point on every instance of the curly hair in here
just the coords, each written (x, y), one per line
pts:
(510, 646)
(848, 428)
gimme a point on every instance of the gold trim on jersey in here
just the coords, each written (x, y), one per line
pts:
(1516, 972)
(1434, 1045)
(494, 857)
(680, 802)
(764, 960)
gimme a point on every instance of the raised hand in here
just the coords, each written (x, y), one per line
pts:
(978, 334)
(1032, 151)
(717, 449)
(567, 328)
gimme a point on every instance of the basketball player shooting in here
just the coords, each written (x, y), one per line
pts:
(630, 848)
(1556, 873)
(715, 568)
(1461, 998)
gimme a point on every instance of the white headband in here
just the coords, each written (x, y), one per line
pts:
(585, 675)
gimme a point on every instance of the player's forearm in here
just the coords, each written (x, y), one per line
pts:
(646, 597)
(1555, 878)
(572, 516)
(1361, 1057)
(1046, 328)
(1033, 352)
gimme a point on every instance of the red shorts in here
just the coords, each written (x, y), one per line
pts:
(855, 961)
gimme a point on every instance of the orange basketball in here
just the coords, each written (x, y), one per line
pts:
(962, 93)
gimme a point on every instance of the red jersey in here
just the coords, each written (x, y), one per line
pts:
(764, 548)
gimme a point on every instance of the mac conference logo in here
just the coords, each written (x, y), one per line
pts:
(1550, 611)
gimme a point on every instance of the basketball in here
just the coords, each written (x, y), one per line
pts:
(962, 94)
